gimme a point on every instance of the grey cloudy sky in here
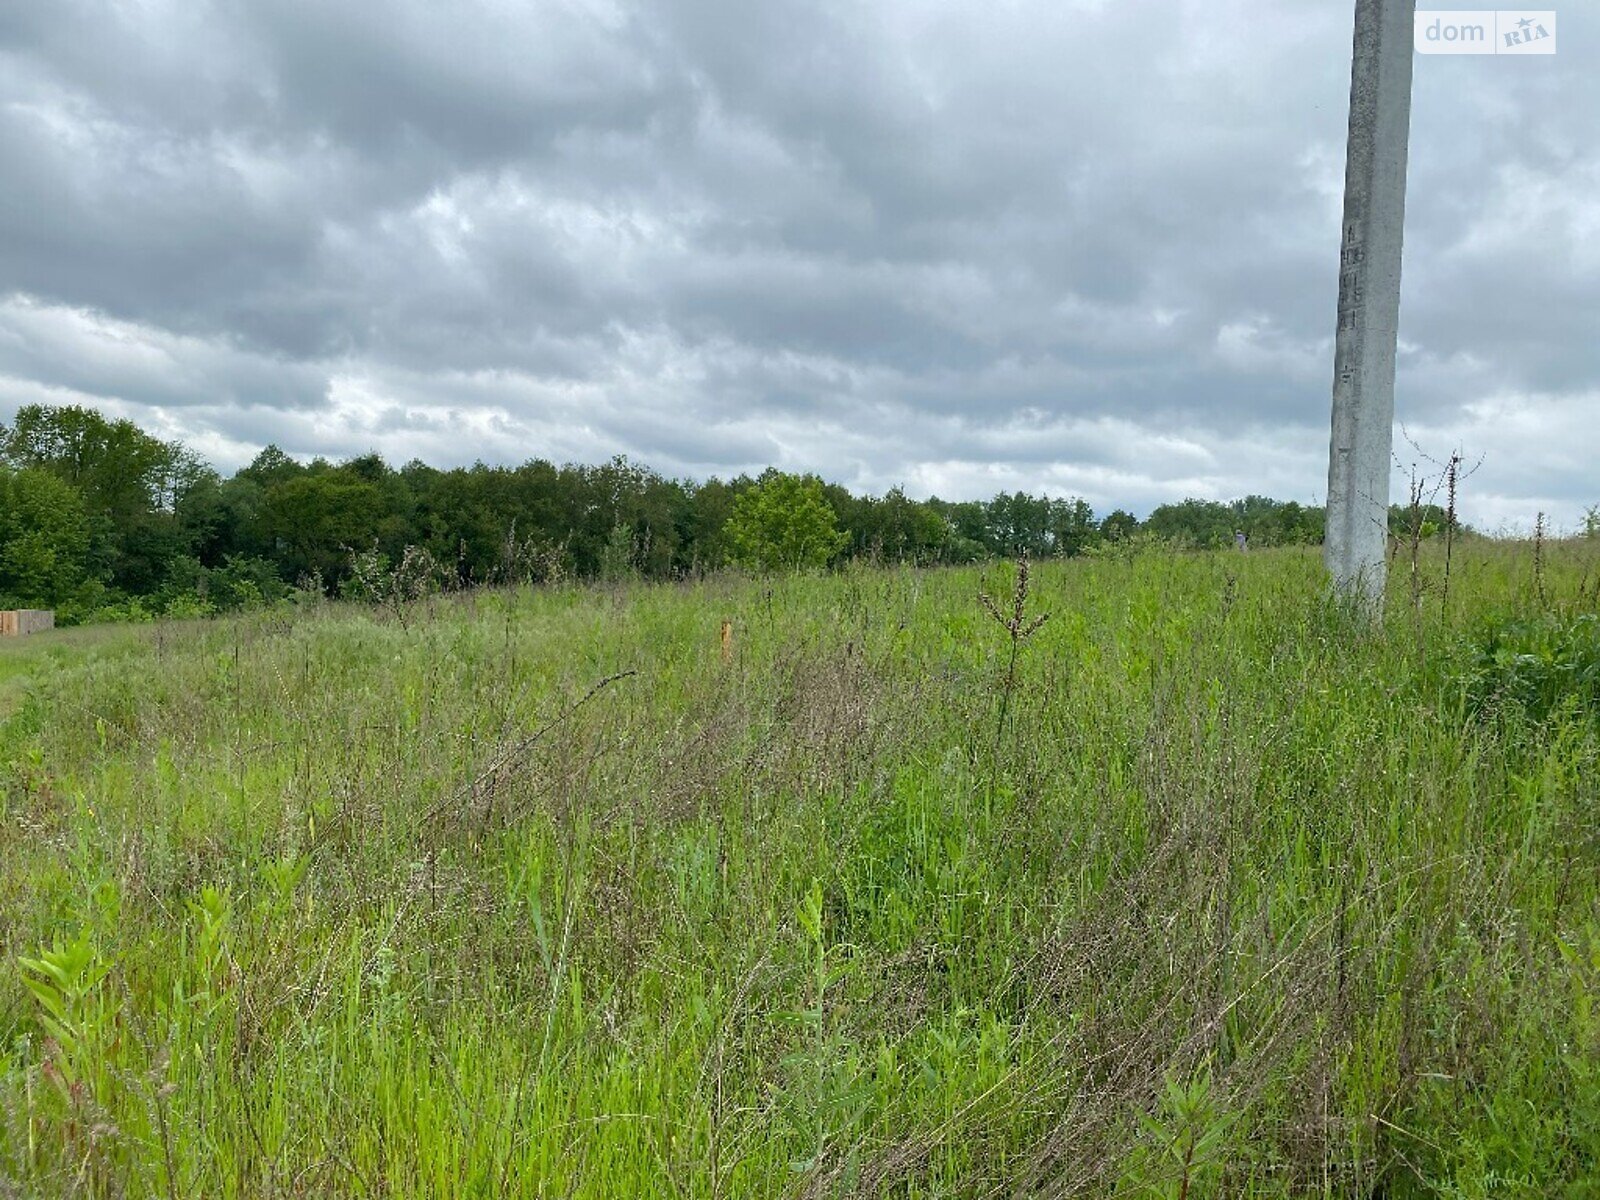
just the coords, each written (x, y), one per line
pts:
(1076, 246)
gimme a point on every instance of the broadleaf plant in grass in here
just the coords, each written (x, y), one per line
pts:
(1537, 665)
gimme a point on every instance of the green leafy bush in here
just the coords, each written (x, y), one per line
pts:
(1538, 666)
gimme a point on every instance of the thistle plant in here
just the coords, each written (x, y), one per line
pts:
(1019, 627)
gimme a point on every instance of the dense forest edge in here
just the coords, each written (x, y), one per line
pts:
(100, 520)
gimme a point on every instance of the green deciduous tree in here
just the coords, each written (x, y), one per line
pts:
(130, 483)
(1118, 524)
(898, 528)
(44, 539)
(1072, 527)
(120, 470)
(317, 519)
(784, 523)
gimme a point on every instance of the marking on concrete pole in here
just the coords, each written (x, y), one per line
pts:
(1369, 298)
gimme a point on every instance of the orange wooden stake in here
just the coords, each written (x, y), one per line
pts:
(727, 641)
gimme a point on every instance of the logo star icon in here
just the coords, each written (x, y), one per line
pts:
(1524, 23)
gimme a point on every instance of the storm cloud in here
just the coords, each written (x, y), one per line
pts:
(1063, 245)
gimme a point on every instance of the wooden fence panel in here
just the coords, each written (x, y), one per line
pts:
(19, 621)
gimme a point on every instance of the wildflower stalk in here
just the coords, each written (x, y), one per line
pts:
(1019, 628)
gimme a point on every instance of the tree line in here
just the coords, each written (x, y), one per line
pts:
(100, 519)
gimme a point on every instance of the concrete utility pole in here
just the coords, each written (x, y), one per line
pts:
(1369, 299)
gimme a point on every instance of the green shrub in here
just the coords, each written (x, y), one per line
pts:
(1538, 666)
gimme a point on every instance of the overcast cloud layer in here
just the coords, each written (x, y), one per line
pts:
(1078, 246)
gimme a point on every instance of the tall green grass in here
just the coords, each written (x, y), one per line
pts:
(1244, 899)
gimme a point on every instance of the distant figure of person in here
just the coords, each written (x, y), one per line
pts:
(1240, 542)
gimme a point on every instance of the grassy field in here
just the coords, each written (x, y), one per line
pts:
(1203, 893)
